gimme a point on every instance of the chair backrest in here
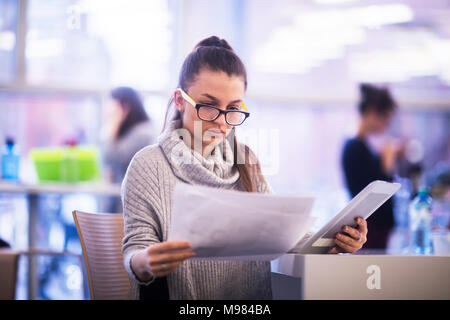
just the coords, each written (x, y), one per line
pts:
(8, 274)
(101, 237)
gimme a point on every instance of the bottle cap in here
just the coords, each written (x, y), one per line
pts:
(423, 193)
(71, 142)
(9, 141)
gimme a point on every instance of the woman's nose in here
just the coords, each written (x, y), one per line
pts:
(221, 119)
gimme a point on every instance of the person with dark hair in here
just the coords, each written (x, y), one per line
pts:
(361, 165)
(198, 146)
(126, 129)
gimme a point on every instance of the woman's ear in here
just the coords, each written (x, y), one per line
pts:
(179, 101)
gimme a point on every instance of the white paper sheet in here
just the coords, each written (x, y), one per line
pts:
(224, 224)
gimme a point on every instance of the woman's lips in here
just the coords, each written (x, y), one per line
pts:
(216, 132)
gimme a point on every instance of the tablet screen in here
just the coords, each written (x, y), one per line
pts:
(363, 205)
(363, 209)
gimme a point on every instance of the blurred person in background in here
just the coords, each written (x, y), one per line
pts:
(362, 165)
(126, 129)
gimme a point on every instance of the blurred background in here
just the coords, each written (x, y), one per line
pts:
(59, 60)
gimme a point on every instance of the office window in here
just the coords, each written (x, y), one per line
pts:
(97, 43)
(8, 39)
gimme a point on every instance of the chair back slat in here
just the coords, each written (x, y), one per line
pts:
(101, 237)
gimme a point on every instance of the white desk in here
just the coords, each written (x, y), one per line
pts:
(32, 192)
(94, 188)
(354, 277)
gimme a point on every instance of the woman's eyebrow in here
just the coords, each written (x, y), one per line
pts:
(214, 99)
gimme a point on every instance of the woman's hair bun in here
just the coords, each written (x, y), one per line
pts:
(376, 98)
(214, 41)
(366, 90)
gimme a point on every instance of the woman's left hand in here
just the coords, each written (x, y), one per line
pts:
(353, 240)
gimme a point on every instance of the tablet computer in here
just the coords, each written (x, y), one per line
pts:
(363, 205)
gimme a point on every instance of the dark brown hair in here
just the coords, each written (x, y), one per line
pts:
(129, 98)
(377, 99)
(217, 55)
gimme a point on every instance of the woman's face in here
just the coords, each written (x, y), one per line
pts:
(378, 122)
(214, 88)
(114, 112)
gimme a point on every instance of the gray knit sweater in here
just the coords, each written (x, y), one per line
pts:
(147, 197)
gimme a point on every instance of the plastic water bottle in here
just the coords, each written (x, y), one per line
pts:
(420, 219)
(10, 161)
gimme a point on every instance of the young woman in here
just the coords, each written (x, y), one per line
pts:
(126, 129)
(207, 106)
(361, 165)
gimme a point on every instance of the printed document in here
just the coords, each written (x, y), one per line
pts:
(236, 225)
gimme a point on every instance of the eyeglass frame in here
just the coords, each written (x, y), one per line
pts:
(225, 112)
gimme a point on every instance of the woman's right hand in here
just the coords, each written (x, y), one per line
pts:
(160, 259)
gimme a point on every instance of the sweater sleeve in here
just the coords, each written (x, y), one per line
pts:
(141, 223)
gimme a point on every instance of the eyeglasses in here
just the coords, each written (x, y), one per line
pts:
(207, 112)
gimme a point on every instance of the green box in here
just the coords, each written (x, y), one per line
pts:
(66, 164)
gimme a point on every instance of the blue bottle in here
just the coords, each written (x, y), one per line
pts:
(420, 219)
(10, 161)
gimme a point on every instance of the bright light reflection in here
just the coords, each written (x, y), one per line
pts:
(318, 36)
